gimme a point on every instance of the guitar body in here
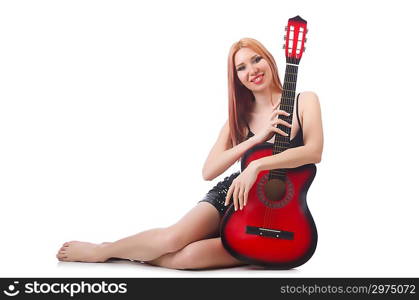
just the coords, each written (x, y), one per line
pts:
(279, 233)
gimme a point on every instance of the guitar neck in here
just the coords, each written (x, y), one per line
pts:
(294, 47)
(282, 143)
(287, 103)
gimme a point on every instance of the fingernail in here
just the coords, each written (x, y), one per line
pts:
(235, 208)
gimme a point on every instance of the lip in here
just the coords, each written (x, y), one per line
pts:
(261, 81)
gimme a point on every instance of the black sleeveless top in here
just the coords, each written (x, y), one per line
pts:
(296, 141)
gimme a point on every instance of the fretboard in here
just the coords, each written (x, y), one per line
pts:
(282, 143)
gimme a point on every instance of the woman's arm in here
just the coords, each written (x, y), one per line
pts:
(312, 150)
(223, 155)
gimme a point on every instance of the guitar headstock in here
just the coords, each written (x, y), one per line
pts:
(295, 39)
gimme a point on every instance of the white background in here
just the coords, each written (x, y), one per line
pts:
(102, 101)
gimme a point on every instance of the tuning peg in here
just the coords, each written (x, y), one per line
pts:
(285, 37)
(286, 28)
(283, 46)
(305, 40)
(304, 50)
(306, 31)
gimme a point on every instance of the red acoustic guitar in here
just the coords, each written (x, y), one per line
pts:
(275, 228)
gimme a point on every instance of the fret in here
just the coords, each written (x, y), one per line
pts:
(286, 98)
(286, 143)
(278, 171)
(287, 90)
(291, 95)
(286, 103)
(276, 174)
(285, 146)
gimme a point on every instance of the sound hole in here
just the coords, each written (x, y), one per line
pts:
(275, 193)
(275, 189)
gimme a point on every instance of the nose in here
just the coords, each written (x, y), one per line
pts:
(253, 70)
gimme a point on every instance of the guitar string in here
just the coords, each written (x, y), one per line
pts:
(289, 87)
(289, 100)
(266, 208)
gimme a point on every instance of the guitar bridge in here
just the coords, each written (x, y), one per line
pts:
(273, 233)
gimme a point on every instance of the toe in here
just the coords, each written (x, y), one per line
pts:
(61, 257)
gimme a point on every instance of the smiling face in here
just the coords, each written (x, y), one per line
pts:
(252, 70)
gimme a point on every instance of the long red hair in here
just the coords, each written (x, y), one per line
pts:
(241, 98)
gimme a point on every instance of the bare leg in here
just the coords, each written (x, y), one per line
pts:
(199, 223)
(204, 254)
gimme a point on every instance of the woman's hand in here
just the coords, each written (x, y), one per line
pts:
(241, 186)
(269, 128)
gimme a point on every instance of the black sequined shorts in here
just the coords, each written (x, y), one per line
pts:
(217, 195)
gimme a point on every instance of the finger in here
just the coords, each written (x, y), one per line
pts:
(277, 130)
(236, 196)
(246, 194)
(274, 114)
(230, 190)
(241, 197)
(280, 121)
(283, 112)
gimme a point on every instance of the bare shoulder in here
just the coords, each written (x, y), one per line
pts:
(312, 122)
(308, 103)
(308, 99)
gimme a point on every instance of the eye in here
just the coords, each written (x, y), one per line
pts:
(240, 68)
(258, 58)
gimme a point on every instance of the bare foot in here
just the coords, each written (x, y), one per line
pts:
(82, 251)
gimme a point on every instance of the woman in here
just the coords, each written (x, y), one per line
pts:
(254, 96)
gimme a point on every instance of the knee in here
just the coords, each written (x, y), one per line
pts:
(172, 239)
(186, 259)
